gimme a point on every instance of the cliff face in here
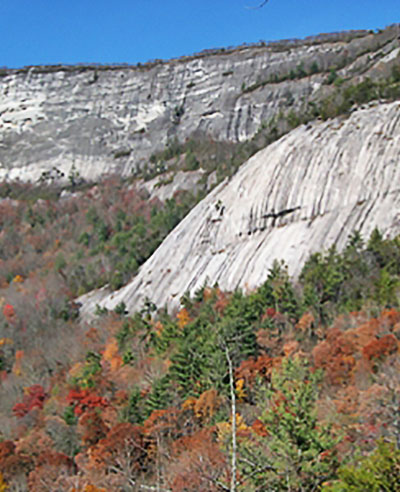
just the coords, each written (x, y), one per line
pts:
(301, 194)
(103, 120)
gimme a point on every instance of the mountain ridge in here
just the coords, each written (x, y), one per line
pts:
(56, 122)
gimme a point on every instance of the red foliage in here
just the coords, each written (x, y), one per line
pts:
(163, 422)
(34, 397)
(9, 312)
(40, 297)
(92, 427)
(221, 302)
(123, 448)
(9, 212)
(259, 428)
(7, 448)
(335, 356)
(197, 463)
(380, 347)
(33, 444)
(362, 334)
(11, 462)
(390, 316)
(38, 242)
(84, 399)
(249, 369)
(270, 313)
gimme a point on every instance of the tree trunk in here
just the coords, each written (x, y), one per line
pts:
(233, 411)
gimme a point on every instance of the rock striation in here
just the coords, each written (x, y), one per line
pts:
(303, 193)
(97, 120)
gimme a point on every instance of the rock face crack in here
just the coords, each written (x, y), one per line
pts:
(276, 215)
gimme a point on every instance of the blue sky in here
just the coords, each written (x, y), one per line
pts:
(113, 31)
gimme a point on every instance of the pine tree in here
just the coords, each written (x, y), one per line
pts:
(298, 451)
(159, 396)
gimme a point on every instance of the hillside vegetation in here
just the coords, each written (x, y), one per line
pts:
(145, 402)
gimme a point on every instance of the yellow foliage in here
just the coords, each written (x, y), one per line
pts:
(224, 429)
(158, 328)
(240, 393)
(183, 318)
(189, 404)
(17, 367)
(5, 341)
(111, 355)
(87, 488)
(207, 293)
(305, 322)
(75, 370)
(116, 363)
(206, 405)
(3, 485)
(18, 279)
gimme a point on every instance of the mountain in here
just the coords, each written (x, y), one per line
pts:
(238, 158)
(64, 121)
(304, 193)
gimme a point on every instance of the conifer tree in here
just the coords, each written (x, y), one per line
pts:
(298, 451)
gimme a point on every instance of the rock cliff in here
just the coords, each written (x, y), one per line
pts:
(301, 194)
(96, 120)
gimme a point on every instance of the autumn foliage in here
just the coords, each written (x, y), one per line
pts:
(84, 399)
(381, 347)
(143, 400)
(34, 397)
(197, 463)
(9, 312)
(123, 447)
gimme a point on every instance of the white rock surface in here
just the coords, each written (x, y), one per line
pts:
(339, 176)
(112, 119)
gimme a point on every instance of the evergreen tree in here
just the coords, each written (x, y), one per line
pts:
(297, 453)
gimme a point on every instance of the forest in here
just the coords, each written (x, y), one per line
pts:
(293, 386)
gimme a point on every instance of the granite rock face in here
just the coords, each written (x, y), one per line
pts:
(301, 194)
(98, 120)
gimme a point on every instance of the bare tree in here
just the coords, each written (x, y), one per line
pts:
(233, 411)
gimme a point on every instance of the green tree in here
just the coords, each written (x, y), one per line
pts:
(379, 472)
(322, 277)
(298, 452)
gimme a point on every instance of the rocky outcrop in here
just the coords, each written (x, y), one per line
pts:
(301, 194)
(97, 120)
